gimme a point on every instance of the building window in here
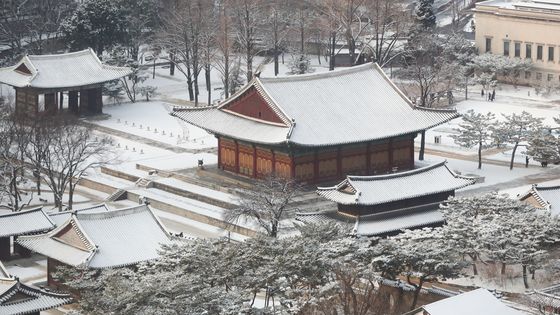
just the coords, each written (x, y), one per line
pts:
(528, 51)
(506, 49)
(549, 77)
(527, 75)
(539, 52)
(517, 50)
(550, 53)
(539, 76)
(488, 45)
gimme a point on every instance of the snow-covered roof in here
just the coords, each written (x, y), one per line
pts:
(18, 298)
(350, 105)
(25, 222)
(478, 301)
(380, 189)
(548, 197)
(549, 296)
(103, 240)
(70, 70)
(381, 223)
(396, 220)
(61, 217)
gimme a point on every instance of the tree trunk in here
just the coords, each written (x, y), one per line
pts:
(38, 182)
(525, 282)
(208, 82)
(276, 65)
(479, 155)
(15, 189)
(332, 49)
(416, 293)
(70, 194)
(171, 64)
(513, 155)
(503, 271)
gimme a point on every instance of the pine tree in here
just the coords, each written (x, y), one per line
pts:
(425, 16)
(476, 130)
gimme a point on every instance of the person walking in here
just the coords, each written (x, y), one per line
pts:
(493, 95)
(526, 161)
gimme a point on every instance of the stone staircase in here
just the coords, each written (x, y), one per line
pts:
(118, 194)
(144, 183)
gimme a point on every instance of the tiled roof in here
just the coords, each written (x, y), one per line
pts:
(21, 299)
(351, 105)
(396, 220)
(381, 223)
(25, 222)
(547, 196)
(61, 217)
(549, 296)
(225, 123)
(27, 299)
(106, 239)
(380, 189)
(68, 70)
(478, 301)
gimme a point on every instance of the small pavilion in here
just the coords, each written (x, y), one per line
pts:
(17, 298)
(100, 240)
(16, 224)
(386, 204)
(41, 81)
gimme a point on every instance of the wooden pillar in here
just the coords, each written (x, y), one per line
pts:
(5, 248)
(219, 153)
(368, 159)
(61, 101)
(411, 164)
(390, 155)
(339, 162)
(50, 103)
(292, 166)
(422, 146)
(273, 162)
(73, 102)
(95, 102)
(83, 101)
(236, 156)
(254, 161)
(316, 166)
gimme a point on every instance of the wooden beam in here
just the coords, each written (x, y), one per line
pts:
(368, 158)
(236, 156)
(422, 146)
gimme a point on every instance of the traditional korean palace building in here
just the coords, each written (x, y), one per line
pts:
(16, 224)
(107, 239)
(317, 127)
(17, 298)
(386, 204)
(543, 197)
(41, 80)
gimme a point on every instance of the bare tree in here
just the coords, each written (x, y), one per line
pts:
(13, 140)
(224, 44)
(247, 16)
(267, 203)
(389, 24)
(72, 150)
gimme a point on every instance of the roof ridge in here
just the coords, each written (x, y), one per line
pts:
(318, 75)
(104, 205)
(398, 174)
(73, 53)
(16, 213)
(112, 213)
(551, 187)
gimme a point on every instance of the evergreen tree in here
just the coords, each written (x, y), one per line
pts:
(475, 130)
(425, 16)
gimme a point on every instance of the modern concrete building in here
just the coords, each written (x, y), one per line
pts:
(522, 29)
